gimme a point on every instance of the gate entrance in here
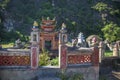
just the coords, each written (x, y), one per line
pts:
(48, 45)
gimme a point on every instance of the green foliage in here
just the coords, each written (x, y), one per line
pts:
(55, 61)
(72, 76)
(77, 76)
(63, 76)
(108, 53)
(44, 58)
(100, 6)
(113, 12)
(4, 3)
(7, 45)
(2, 32)
(14, 35)
(79, 17)
(73, 13)
(10, 36)
(111, 32)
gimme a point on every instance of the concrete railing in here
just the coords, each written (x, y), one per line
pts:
(14, 58)
(83, 56)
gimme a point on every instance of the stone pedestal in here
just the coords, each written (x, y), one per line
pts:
(95, 56)
(116, 50)
(34, 57)
(35, 39)
(101, 51)
(63, 56)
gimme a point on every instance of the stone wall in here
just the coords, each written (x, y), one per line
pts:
(14, 58)
(89, 73)
(81, 58)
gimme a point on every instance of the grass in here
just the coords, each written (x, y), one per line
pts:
(108, 53)
(7, 44)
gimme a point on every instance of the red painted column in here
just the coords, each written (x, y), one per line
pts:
(63, 56)
(95, 56)
(34, 57)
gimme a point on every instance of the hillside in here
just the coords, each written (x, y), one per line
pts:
(78, 15)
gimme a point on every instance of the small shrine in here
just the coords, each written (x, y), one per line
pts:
(48, 35)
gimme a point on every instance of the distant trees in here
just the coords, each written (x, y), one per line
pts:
(111, 32)
(90, 16)
(110, 18)
(3, 5)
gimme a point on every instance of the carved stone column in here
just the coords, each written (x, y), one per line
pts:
(35, 39)
(101, 51)
(95, 56)
(63, 47)
(116, 50)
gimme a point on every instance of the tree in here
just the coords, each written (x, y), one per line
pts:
(111, 32)
(3, 5)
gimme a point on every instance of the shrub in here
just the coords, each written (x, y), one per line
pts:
(44, 58)
(76, 76)
(72, 76)
(55, 61)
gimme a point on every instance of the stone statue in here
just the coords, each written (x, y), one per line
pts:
(18, 43)
(81, 41)
(94, 42)
(74, 42)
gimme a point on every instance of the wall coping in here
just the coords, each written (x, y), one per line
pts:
(14, 52)
(81, 51)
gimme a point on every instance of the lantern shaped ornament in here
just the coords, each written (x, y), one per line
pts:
(35, 33)
(35, 26)
(63, 34)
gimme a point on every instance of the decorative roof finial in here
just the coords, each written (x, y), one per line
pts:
(42, 18)
(35, 23)
(48, 18)
(63, 26)
(54, 18)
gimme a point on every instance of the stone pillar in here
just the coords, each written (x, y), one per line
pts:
(63, 47)
(95, 56)
(62, 53)
(116, 50)
(101, 51)
(34, 56)
(35, 39)
(63, 56)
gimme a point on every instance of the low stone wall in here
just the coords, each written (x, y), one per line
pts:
(84, 61)
(83, 56)
(18, 74)
(88, 72)
(14, 58)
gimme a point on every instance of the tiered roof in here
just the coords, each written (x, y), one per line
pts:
(48, 25)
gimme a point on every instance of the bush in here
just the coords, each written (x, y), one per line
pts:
(44, 58)
(55, 61)
(72, 76)
(76, 76)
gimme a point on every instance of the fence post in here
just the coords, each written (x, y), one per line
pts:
(34, 57)
(95, 56)
(63, 47)
(35, 40)
(63, 56)
(116, 50)
(101, 51)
